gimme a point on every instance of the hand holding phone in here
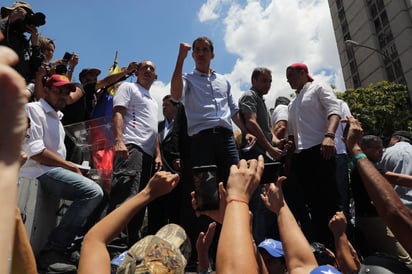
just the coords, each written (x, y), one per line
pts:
(206, 187)
(270, 172)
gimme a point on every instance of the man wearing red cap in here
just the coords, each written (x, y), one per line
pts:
(314, 115)
(44, 146)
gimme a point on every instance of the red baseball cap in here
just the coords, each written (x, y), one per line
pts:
(59, 80)
(302, 67)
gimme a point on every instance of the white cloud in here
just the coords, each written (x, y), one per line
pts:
(275, 34)
(207, 11)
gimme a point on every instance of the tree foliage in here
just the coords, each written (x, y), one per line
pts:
(382, 108)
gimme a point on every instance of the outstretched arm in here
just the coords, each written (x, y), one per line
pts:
(116, 77)
(398, 178)
(13, 127)
(236, 252)
(176, 85)
(298, 254)
(346, 256)
(387, 202)
(94, 255)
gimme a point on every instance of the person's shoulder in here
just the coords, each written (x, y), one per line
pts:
(322, 86)
(281, 108)
(126, 87)
(34, 105)
(127, 84)
(248, 93)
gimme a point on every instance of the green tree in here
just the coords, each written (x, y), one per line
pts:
(382, 108)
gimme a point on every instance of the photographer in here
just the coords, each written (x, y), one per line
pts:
(15, 21)
(63, 66)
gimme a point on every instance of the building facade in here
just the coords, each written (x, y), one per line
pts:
(374, 39)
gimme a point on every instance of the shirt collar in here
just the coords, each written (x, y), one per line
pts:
(144, 91)
(305, 86)
(256, 92)
(49, 109)
(196, 72)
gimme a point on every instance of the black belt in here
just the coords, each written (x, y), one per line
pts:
(216, 130)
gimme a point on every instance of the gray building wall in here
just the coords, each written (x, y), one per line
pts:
(387, 32)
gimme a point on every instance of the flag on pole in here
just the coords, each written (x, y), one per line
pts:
(113, 70)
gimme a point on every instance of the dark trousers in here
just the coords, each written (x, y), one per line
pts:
(342, 181)
(214, 148)
(208, 148)
(317, 177)
(130, 176)
(165, 210)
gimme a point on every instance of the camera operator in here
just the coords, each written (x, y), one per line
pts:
(15, 21)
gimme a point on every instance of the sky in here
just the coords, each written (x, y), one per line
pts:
(246, 34)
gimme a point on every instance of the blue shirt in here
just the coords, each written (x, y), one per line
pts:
(208, 101)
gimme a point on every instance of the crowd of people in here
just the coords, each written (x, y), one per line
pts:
(302, 221)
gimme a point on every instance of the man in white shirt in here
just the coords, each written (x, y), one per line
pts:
(44, 145)
(397, 157)
(314, 115)
(136, 148)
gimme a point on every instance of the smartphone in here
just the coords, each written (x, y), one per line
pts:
(206, 187)
(67, 56)
(270, 172)
(345, 131)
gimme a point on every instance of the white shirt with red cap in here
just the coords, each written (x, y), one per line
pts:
(46, 131)
(309, 112)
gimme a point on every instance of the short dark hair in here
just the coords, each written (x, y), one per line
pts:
(170, 98)
(368, 140)
(404, 136)
(258, 71)
(204, 39)
(281, 100)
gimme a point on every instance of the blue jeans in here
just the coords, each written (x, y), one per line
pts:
(86, 196)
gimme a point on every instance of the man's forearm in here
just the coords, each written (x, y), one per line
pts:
(49, 158)
(118, 126)
(399, 179)
(255, 129)
(333, 122)
(296, 247)
(176, 84)
(387, 203)
(344, 255)
(239, 122)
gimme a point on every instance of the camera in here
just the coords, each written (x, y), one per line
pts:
(206, 187)
(67, 56)
(36, 19)
(55, 68)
